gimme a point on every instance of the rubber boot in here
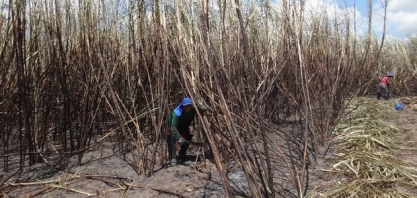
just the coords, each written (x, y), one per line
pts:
(172, 156)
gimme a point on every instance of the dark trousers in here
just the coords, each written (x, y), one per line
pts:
(171, 147)
(171, 144)
(383, 90)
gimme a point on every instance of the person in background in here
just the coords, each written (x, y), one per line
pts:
(383, 87)
(179, 121)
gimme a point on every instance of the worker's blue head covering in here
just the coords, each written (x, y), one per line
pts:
(185, 102)
(389, 74)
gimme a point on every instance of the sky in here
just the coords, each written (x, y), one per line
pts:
(401, 18)
(401, 15)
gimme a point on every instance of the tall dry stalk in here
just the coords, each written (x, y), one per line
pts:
(276, 79)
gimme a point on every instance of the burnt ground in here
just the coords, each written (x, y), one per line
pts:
(106, 173)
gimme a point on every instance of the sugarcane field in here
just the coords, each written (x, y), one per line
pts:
(207, 99)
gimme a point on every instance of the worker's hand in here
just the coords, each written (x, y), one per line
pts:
(181, 140)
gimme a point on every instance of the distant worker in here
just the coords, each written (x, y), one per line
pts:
(383, 87)
(179, 122)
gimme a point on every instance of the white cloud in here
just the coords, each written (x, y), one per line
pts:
(402, 23)
(402, 6)
(401, 16)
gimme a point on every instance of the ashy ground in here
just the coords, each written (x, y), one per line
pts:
(105, 174)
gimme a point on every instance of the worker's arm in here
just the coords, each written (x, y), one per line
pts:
(173, 124)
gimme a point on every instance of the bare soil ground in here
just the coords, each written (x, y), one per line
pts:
(106, 174)
(406, 121)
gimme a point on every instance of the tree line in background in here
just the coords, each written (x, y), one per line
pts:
(76, 70)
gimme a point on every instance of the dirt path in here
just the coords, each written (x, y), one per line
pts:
(406, 121)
